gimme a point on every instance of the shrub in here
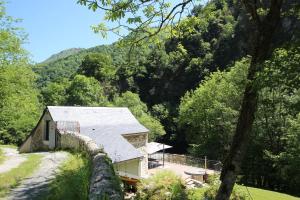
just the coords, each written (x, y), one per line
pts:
(211, 192)
(72, 182)
(163, 185)
(196, 193)
(237, 193)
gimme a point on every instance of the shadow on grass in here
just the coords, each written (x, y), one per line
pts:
(72, 181)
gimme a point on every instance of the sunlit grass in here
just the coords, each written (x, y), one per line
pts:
(12, 178)
(255, 193)
(260, 194)
(8, 146)
(72, 182)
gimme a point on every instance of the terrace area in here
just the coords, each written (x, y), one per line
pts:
(194, 171)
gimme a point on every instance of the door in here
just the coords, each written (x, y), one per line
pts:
(52, 135)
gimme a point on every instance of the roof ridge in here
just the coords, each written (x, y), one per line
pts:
(86, 107)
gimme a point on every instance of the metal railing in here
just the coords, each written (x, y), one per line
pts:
(188, 160)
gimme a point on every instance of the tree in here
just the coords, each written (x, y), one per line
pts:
(264, 17)
(19, 103)
(215, 103)
(140, 111)
(11, 39)
(264, 27)
(85, 91)
(55, 93)
(99, 66)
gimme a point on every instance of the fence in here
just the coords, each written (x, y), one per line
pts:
(188, 160)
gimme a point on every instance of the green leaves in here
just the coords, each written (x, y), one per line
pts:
(11, 39)
(132, 20)
(85, 91)
(140, 111)
(211, 111)
(100, 28)
(19, 103)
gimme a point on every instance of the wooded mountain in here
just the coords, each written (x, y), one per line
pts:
(63, 54)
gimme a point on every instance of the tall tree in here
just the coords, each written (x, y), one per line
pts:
(19, 103)
(264, 29)
(264, 18)
(11, 39)
(85, 91)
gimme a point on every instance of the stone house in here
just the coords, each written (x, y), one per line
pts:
(113, 129)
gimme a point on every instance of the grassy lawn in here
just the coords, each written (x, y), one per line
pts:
(256, 194)
(13, 177)
(260, 194)
(8, 146)
(73, 180)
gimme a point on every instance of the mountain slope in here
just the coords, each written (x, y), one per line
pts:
(63, 54)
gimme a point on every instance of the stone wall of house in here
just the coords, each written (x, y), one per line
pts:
(140, 141)
(26, 146)
(137, 140)
(104, 183)
(36, 141)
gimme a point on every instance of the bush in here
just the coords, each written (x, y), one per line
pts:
(163, 185)
(237, 193)
(196, 193)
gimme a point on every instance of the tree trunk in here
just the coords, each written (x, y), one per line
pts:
(261, 49)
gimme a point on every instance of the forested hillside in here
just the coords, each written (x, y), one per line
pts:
(186, 89)
(63, 54)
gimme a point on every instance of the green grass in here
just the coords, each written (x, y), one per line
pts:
(73, 180)
(8, 146)
(12, 178)
(260, 194)
(256, 194)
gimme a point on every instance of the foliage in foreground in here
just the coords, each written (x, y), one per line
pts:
(12, 178)
(163, 185)
(72, 182)
(273, 156)
(166, 185)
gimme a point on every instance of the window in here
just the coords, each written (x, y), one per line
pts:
(47, 130)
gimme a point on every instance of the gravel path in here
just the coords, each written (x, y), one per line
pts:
(37, 183)
(13, 159)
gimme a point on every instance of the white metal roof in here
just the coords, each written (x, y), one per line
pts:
(153, 147)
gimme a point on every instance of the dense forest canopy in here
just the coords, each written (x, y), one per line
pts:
(187, 88)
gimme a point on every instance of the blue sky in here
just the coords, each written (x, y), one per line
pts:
(55, 25)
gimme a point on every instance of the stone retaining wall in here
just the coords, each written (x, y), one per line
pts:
(104, 182)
